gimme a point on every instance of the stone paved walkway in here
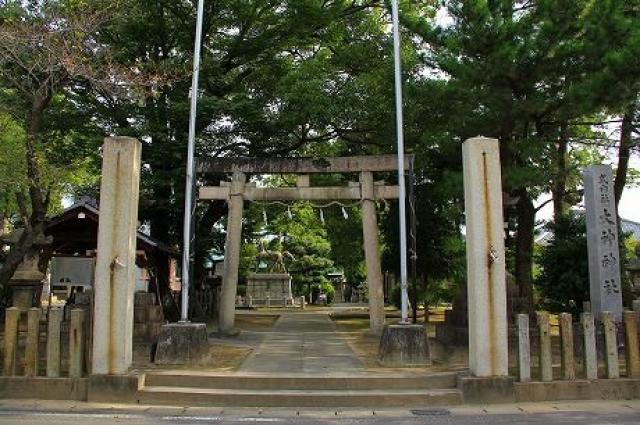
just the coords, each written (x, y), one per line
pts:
(303, 344)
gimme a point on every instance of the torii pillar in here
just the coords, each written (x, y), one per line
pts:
(372, 253)
(226, 317)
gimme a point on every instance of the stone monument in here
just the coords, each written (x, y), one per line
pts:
(602, 242)
(274, 284)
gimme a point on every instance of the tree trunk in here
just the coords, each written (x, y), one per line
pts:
(526, 214)
(626, 143)
(624, 150)
(35, 220)
(558, 187)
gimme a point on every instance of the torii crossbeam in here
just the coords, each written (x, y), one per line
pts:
(236, 191)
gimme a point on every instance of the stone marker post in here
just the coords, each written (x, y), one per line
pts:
(53, 342)
(589, 347)
(544, 356)
(602, 242)
(115, 262)
(632, 350)
(524, 348)
(76, 343)
(486, 282)
(372, 253)
(31, 359)
(11, 320)
(610, 345)
(226, 318)
(566, 341)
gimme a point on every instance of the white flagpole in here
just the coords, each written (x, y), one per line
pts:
(188, 193)
(402, 192)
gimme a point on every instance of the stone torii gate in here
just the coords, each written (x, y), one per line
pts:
(236, 191)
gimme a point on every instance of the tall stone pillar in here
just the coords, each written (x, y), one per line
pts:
(226, 318)
(488, 355)
(31, 357)
(11, 324)
(372, 253)
(115, 263)
(53, 342)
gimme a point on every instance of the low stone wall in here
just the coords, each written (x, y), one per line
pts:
(22, 387)
(507, 390)
(601, 389)
(125, 389)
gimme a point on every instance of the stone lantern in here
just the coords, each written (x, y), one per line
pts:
(634, 270)
(26, 281)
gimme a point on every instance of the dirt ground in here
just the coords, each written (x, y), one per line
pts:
(225, 355)
(365, 345)
(221, 358)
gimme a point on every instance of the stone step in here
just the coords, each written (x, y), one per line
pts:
(379, 398)
(444, 380)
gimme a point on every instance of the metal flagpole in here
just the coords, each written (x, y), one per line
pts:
(188, 193)
(400, 137)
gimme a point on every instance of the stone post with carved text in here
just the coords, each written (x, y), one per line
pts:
(602, 242)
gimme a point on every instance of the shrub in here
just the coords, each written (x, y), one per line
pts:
(563, 282)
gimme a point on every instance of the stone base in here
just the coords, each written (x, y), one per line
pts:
(404, 346)
(276, 286)
(114, 388)
(495, 389)
(182, 343)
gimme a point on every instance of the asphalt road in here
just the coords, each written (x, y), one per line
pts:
(22, 417)
(581, 413)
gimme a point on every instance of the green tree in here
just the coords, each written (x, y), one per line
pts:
(524, 74)
(563, 282)
(276, 79)
(304, 236)
(45, 50)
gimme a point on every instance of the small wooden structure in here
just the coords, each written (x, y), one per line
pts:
(73, 251)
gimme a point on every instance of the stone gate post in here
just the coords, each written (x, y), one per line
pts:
(115, 263)
(486, 281)
(372, 253)
(226, 319)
